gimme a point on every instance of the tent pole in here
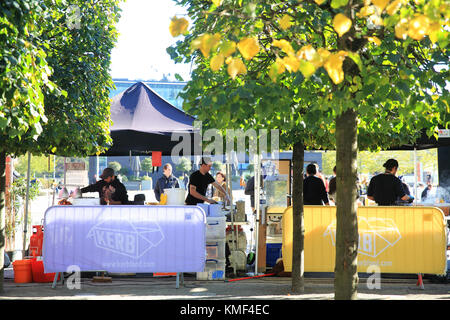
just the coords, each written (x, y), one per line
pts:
(27, 196)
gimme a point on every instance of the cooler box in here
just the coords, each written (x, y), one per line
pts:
(214, 270)
(215, 228)
(215, 249)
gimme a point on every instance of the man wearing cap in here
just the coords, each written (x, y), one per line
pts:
(110, 189)
(198, 183)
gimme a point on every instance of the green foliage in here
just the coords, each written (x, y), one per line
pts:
(146, 165)
(115, 166)
(184, 165)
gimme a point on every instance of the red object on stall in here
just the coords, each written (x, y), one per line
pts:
(37, 269)
(156, 158)
(36, 241)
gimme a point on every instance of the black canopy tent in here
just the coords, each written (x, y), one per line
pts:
(144, 122)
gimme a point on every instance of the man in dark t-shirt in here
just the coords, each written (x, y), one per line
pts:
(314, 192)
(110, 189)
(386, 188)
(198, 183)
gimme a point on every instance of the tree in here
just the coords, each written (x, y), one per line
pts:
(371, 68)
(54, 81)
(115, 166)
(184, 165)
(146, 165)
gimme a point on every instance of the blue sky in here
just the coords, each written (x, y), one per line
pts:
(144, 35)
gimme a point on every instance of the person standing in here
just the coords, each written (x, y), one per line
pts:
(426, 191)
(222, 181)
(332, 186)
(198, 183)
(250, 189)
(165, 182)
(314, 192)
(110, 189)
(385, 188)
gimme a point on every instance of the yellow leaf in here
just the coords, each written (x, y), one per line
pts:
(365, 11)
(401, 29)
(276, 68)
(418, 27)
(284, 45)
(285, 22)
(393, 7)
(217, 62)
(306, 68)
(206, 43)
(376, 20)
(227, 48)
(334, 67)
(374, 40)
(341, 24)
(292, 63)
(319, 2)
(306, 52)
(235, 67)
(178, 26)
(248, 47)
(324, 53)
(217, 2)
(380, 4)
(433, 31)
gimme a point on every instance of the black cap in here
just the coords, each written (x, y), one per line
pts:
(107, 172)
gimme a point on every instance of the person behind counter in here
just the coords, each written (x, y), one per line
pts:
(314, 192)
(385, 188)
(110, 189)
(250, 189)
(221, 180)
(198, 183)
(167, 181)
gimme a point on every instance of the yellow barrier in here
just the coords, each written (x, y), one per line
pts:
(396, 239)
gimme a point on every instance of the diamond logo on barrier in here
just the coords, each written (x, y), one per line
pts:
(375, 235)
(123, 237)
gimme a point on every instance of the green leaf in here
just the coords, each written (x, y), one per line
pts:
(335, 4)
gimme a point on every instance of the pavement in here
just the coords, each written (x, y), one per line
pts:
(265, 288)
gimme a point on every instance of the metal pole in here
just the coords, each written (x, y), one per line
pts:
(65, 161)
(25, 226)
(233, 238)
(415, 175)
(257, 205)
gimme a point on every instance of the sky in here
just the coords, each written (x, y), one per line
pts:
(140, 52)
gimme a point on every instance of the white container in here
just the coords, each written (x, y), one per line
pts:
(175, 196)
(215, 228)
(86, 202)
(214, 270)
(215, 249)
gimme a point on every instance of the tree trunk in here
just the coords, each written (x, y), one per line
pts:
(346, 276)
(298, 267)
(2, 215)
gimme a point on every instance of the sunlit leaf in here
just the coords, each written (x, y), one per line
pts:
(374, 40)
(284, 45)
(380, 4)
(178, 26)
(401, 29)
(341, 24)
(235, 67)
(248, 47)
(285, 22)
(227, 48)
(292, 63)
(217, 62)
(334, 67)
(418, 27)
(306, 68)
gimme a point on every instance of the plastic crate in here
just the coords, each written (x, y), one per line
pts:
(214, 270)
(215, 249)
(215, 228)
(273, 252)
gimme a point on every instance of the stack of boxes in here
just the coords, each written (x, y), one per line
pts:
(215, 245)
